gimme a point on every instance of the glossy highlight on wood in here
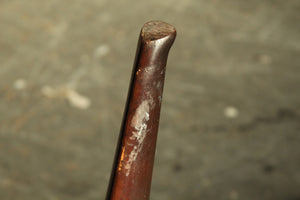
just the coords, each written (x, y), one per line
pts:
(132, 169)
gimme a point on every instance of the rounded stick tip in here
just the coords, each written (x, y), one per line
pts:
(155, 30)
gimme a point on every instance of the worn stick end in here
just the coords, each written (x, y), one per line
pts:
(155, 30)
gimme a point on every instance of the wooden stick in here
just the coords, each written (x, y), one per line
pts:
(132, 170)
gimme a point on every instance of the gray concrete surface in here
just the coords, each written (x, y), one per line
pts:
(230, 119)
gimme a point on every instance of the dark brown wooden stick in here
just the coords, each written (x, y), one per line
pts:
(133, 165)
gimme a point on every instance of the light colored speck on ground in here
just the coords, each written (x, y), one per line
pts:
(102, 50)
(231, 112)
(20, 84)
(77, 100)
(74, 98)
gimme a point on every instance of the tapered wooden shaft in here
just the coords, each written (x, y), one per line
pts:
(132, 169)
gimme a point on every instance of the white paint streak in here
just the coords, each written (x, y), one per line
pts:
(151, 101)
(159, 85)
(159, 99)
(140, 115)
(139, 122)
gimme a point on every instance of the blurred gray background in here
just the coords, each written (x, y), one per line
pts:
(230, 118)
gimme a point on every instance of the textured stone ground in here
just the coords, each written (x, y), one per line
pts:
(230, 123)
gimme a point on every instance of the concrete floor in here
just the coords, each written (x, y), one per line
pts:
(230, 121)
